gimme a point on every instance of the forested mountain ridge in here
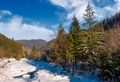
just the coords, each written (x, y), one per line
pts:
(37, 43)
(108, 22)
(10, 48)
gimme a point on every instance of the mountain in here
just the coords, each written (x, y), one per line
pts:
(37, 43)
(47, 49)
(48, 45)
(10, 48)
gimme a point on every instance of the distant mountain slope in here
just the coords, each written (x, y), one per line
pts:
(37, 43)
(108, 23)
(46, 49)
(111, 21)
(48, 45)
(10, 48)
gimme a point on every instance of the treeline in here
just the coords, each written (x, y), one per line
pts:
(32, 53)
(83, 50)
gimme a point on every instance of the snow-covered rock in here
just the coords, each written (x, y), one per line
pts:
(26, 76)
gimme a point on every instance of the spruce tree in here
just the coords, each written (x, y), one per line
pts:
(94, 39)
(74, 42)
(89, 17)
(89, 23)
(60, 46)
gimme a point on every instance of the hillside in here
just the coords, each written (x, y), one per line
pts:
(37, 43)
(111, 21)
(48, 45)
(10, 48)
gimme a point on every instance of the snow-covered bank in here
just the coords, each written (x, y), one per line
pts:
(12, 70)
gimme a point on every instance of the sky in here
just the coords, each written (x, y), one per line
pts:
(39, 19)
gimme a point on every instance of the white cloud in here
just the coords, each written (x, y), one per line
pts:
(77, 7)
(62, 3)
(117, 5)
(15, 28)
(5, 12)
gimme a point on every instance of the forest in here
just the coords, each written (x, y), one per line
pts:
(12, 49)
(84, 50)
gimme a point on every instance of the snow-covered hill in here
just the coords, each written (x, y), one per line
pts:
(25, 70)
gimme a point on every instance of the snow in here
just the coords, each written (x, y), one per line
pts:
(25, 70)
(16, 68)
(45, 76)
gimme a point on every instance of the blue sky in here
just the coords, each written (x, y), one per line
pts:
(37, 10)
(39, 19)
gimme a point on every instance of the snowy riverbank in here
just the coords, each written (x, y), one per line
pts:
(25, 70)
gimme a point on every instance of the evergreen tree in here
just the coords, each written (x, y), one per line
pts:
(75, 28)
(95, 37)
(60, 46)
(89, 23)
(89, 17)
(74, 42)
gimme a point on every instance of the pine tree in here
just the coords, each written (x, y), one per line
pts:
(89, 17)
(74, 42)
(60, 47)
(89, 23)
(94, 37)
